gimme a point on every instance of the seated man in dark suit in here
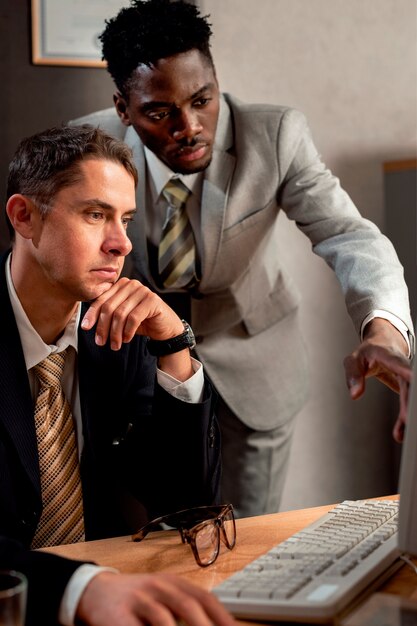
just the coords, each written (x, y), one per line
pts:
(96, 434)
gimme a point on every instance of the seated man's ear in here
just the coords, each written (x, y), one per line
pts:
(21, 212)
(121, 108)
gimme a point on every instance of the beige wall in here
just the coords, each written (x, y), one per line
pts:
(351, 68)
(350, 65)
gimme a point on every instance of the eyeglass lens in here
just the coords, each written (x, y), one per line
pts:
(207, 542)
(229, 529)
(208, 537)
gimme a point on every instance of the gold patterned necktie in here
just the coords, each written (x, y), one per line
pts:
(62, 519)
(176, 254)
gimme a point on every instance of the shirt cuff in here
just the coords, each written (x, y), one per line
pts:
(190, 390)
(74, 590)
(395, 321)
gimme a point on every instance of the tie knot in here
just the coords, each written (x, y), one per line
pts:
(175, 192)
(49, 371)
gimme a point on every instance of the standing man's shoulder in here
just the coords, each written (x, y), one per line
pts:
(254, 115)
(265, 126)
(106, 119)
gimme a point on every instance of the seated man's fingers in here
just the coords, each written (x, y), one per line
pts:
(92, 314)
(112, 309)
(194, 605)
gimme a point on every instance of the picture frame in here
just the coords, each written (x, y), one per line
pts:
(65, 32)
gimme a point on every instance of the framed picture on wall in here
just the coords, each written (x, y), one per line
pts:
(65, 32)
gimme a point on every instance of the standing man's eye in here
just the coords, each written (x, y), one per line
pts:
(202, 102)
(157, 115)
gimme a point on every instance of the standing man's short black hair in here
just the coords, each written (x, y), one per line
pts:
(150, 30)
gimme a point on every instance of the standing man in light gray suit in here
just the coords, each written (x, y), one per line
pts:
(242, 164)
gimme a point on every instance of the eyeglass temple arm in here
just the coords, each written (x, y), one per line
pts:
(153, 525)
(183, 533)
(173, 518)
(142, 532)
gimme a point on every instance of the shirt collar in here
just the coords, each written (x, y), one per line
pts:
(161, 173)
(34, 348)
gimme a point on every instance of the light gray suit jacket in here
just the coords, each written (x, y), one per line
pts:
(264, 160)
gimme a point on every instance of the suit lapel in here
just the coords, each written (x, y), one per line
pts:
(16, 405)
(137, 231)
(215, 191)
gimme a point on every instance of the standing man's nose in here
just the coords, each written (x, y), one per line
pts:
(188, 126)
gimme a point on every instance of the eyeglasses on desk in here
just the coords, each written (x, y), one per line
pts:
(202, 527)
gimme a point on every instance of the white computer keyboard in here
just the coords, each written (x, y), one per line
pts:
(317, 572)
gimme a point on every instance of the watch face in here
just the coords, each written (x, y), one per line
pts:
(175, 344)
(190, 334)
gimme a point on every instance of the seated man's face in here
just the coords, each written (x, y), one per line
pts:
(79, 247)
(174, 107)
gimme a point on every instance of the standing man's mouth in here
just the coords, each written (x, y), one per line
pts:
(194, 153)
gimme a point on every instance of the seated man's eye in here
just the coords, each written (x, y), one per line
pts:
(127, 220)
(95, 215)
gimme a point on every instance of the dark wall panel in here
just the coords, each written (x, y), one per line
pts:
(34, 97)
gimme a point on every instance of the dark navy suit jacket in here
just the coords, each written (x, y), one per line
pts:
(145, 453)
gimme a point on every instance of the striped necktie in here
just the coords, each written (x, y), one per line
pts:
(176, 254)
(62, 518)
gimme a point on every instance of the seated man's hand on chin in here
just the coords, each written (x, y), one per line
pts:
(129, 308)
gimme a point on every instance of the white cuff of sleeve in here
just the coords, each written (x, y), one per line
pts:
(74, 590)
(395, 321)
(189, 391)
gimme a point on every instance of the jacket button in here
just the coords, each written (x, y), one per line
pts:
(29, 519)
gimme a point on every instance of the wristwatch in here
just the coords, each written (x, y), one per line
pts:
(175, 344)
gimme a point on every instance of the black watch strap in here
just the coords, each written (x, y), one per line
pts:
(175, 344)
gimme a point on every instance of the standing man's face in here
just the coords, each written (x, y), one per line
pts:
(174, 107)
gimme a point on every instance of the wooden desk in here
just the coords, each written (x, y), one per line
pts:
(163, 551)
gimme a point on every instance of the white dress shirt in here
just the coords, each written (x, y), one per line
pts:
(35, 350)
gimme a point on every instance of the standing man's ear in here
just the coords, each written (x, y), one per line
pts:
(20, 211)
(121, 108)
